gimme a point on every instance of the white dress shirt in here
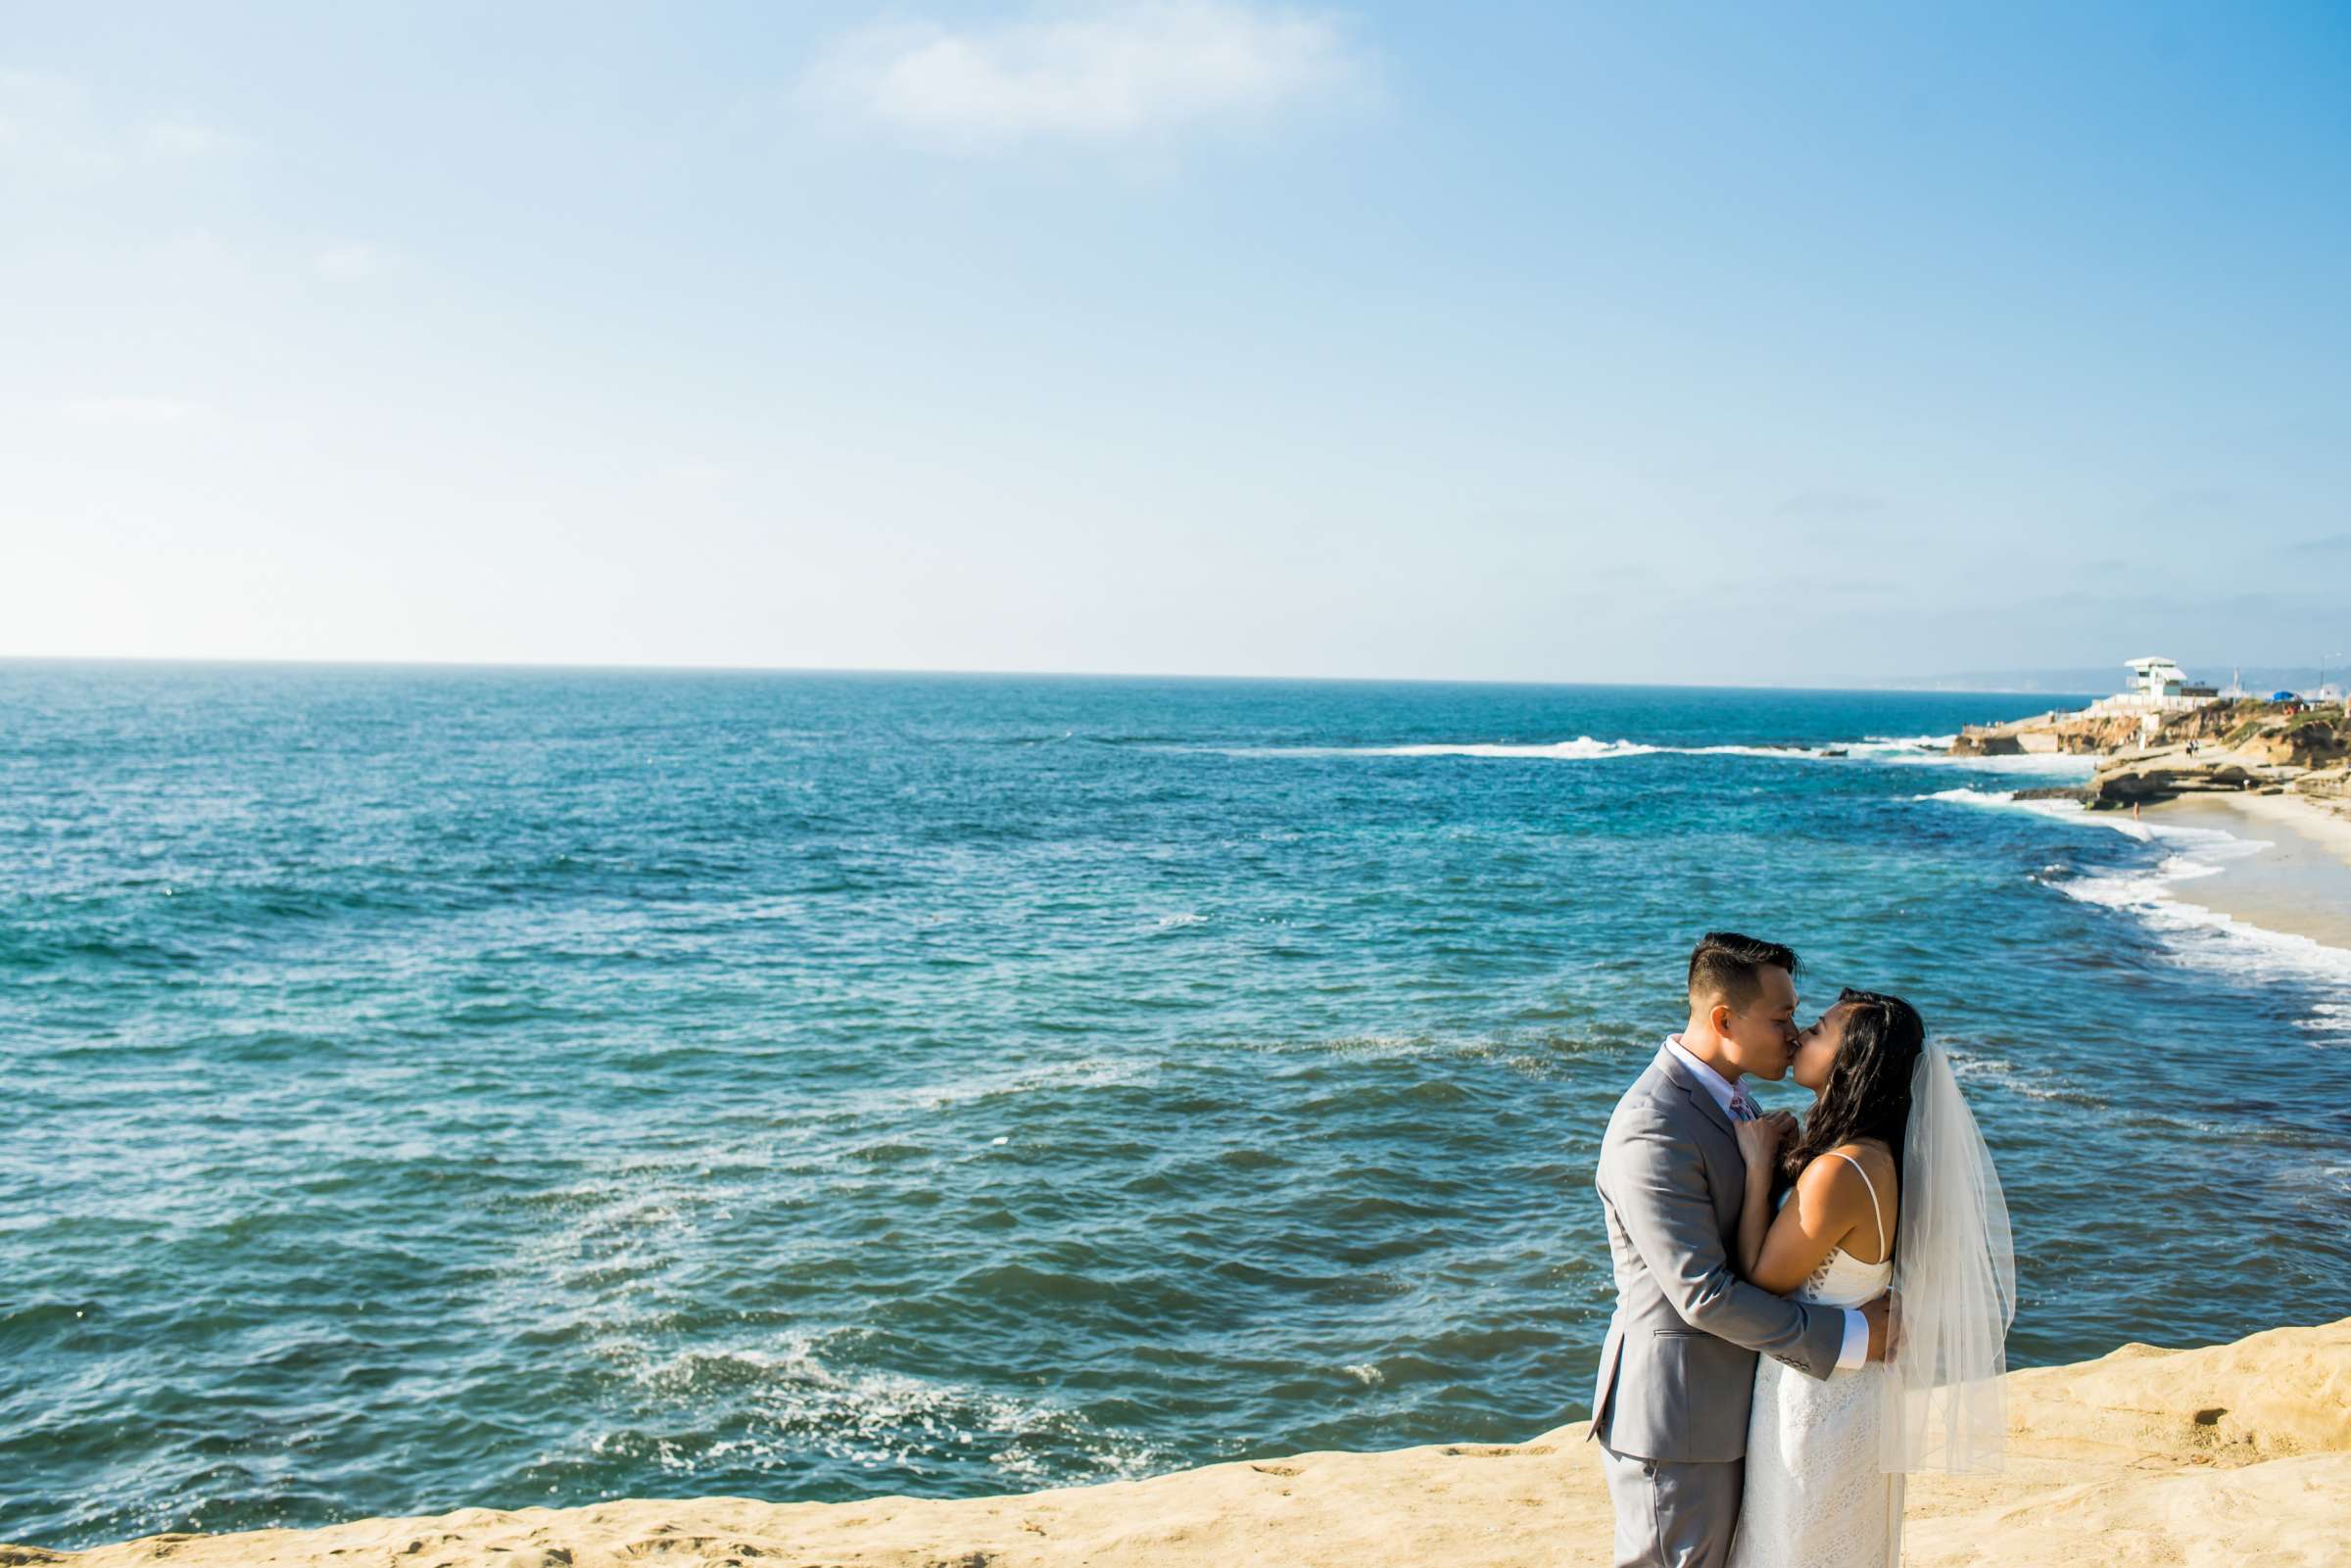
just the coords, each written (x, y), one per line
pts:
(1855, 1352)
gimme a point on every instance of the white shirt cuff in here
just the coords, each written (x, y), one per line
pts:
(1856, 1341)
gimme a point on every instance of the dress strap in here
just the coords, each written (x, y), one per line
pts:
(1883, 1249)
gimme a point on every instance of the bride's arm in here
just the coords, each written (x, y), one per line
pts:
(1829, 1202)
(1759, 1145)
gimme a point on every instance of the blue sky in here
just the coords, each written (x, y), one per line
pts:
(1552, 342)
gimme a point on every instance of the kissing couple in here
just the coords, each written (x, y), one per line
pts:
(1771, 1375)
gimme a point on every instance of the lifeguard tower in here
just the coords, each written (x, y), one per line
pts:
(2158, 686)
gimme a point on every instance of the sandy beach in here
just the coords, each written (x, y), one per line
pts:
(2224, 1456)
(2299, 881)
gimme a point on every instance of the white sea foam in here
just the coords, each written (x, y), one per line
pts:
(1968, 795)
(2190, 933)
(888, 1102)
(2005, 800)
(1583, 748)
(786, 1399)
(1788, 753)
(1927, 750)
(2195, 850)
(2206, 938)
(2040, 765)
(2033, 1082)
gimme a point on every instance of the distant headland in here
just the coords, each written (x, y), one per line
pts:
(2168, 736)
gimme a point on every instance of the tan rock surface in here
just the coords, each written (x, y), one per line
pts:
(2233, 1454)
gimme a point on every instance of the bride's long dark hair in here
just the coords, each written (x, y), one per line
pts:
(1868, 1092)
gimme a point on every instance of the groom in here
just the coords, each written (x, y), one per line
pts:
(1679, 1365)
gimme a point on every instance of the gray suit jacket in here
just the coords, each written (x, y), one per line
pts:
(1678, 1370)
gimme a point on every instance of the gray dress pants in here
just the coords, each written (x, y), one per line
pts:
(1673, 1516)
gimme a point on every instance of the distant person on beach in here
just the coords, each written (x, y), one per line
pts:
(1713, 1455)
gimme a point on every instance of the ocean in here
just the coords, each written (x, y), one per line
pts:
(439, 1087)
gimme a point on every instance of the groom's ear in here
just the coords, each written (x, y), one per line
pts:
(1719, 1017)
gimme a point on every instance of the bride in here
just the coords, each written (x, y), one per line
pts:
(1887, 1185)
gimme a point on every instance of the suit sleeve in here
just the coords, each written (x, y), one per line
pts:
(1659, 1187)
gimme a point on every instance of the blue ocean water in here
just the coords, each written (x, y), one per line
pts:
(443, 1087)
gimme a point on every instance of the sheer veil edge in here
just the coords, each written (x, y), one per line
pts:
(1955, 1289)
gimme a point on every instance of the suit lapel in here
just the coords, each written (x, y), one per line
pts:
(1726, 1171)
(1696, 1091)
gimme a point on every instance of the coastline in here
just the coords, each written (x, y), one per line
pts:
(2220, 1454)
(2294, 875)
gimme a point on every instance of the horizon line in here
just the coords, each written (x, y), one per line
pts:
(1917, 684)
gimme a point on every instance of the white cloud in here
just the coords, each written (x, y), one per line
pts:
(179, 138)
(696, 473)
(130, 411)
(352, 260)
(49, 126)
(1101, 74)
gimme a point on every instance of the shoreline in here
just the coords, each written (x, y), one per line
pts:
(2224, 1453)
(2294, 877)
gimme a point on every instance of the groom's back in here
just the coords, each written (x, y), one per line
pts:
(1667, 1389)
(1657, 1110)
(1634, 1105)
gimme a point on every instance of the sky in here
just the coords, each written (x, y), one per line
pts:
(1555, 342)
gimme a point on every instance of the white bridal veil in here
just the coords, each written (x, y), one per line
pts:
(1954, 1286)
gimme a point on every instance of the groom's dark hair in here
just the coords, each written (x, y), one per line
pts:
(1729, 966)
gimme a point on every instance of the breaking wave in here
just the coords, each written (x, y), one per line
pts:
(2149, 892)
(1924, 748)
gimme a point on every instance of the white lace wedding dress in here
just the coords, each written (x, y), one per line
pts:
(1816, 1493)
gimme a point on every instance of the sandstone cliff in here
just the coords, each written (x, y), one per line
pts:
(2232, 1454)
(2221, 746)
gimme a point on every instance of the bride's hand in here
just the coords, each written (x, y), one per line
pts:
(1760, 1140)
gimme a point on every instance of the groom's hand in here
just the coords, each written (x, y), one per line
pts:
(1880, 1328)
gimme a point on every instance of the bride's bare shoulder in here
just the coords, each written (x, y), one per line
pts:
(1835, 1187)
(1875, 1158)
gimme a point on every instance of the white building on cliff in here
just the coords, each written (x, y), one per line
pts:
(2158, 687)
